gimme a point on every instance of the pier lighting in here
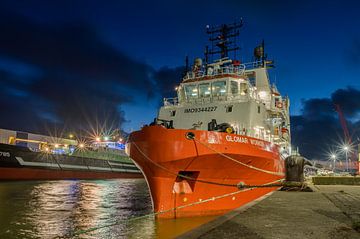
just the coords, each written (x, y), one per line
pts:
(56, 146)
(81, 145)
(346, 149)
(333, 158)
(71, 136)
(106, 138)
(46, 149)
(97, 139)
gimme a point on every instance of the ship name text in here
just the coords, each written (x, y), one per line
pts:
(202, 109)
(239, 139)
(4, 154)
(257, 142)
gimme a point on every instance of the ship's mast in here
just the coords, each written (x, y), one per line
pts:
(223, 39)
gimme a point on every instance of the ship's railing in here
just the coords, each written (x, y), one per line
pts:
(204, 100)
(216, 71)
(225, 70)
(253, 65)
(171, 101)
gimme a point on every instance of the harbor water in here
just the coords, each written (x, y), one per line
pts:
(88, 209)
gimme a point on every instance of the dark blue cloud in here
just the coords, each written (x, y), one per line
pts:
(67, 75)
(167, 79)
(317, 131)
(64, 75)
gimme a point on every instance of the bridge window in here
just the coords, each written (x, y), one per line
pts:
(234, 87)
(181, 93)
(191, 91)
(219, 88)
(204, 90)
(243, 88)
(229, 109)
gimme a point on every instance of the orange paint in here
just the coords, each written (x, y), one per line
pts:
(163, 153)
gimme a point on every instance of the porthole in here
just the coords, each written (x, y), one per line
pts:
(229, 109)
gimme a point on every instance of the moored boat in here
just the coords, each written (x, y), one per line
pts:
(37, 157)
(228, 127)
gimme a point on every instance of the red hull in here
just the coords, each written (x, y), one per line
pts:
(214, 157)
(47, 174)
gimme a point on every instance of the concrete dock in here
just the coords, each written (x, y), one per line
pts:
(331, 211)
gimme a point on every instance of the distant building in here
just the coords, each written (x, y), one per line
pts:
(35, 142)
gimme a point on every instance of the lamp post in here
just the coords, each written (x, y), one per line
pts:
(346, 149)
(333, 157)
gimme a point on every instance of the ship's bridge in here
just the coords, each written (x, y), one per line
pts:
(218, 89)
(221, 81)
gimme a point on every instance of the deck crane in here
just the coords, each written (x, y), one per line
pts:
(347, 137)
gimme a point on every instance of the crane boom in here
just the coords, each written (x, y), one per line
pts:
(347, 136)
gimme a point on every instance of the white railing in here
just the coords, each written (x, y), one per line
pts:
(252, 65)
(171, 101)
(212, 71)
(225, 70)
(204, 100)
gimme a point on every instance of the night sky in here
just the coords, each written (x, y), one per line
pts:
(108, 64)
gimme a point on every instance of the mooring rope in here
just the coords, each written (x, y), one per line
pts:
(177, 174)
(240, 185)
(236, 161)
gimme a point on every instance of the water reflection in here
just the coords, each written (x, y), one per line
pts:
(53, 209)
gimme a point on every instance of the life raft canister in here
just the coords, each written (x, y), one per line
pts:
(236, 62)
(279, 104)
(284, 130)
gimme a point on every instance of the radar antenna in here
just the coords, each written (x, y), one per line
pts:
(223, 37)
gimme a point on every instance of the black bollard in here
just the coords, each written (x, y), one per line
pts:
(294, 174)
(294, 165)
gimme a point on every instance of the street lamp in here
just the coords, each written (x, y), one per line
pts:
(333, 157)
(346, 150)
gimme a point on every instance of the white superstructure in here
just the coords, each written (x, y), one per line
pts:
(231, 97)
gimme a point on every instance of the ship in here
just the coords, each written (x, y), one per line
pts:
(221, 143)
(26, 156)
